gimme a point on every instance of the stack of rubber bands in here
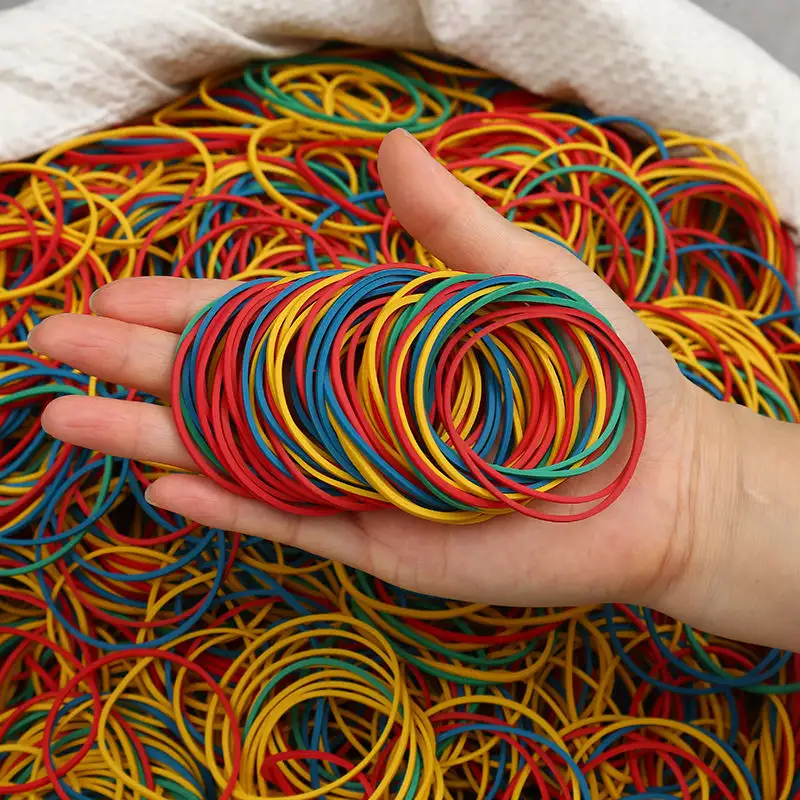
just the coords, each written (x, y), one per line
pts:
(347, 435)
(143, 656)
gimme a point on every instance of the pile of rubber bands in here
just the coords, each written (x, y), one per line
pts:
(371, 417)
(142, 656)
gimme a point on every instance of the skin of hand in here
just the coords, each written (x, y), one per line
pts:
(701, 533)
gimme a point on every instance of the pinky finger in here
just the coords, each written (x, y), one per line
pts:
(199, 499)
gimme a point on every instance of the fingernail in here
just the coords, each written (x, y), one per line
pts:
(94, 295)
(29, 340)
(148, 498)
(414, 139)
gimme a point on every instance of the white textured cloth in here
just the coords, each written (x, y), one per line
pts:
(69, 66)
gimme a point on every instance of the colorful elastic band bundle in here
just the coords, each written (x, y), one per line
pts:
(143, 656)
(452, 396)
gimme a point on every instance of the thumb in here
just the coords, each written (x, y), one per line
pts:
(453, 223)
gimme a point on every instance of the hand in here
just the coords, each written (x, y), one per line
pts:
(636, 551)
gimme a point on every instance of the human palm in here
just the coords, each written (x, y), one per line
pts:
(630, 552)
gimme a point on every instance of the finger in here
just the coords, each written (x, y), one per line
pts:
(541, 562)
(165, 303)
(141, 431)
(389, 545)
(131, 355)
(201, 500)
(451, 221)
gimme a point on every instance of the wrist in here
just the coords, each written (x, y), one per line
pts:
(741, 569)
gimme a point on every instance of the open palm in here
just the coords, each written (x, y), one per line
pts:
(630, 552)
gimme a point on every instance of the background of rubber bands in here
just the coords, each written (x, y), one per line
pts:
(144, 657)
